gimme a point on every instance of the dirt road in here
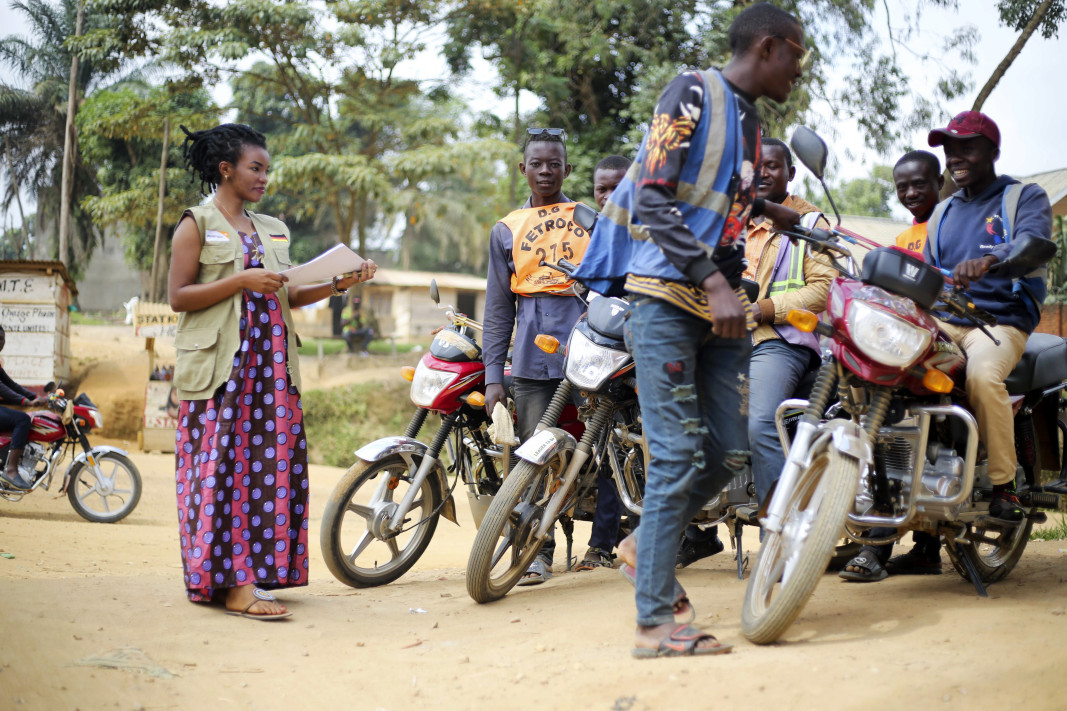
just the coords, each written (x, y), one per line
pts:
(78, 599)
(75, 593)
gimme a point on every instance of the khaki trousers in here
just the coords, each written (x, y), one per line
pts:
(987, 366)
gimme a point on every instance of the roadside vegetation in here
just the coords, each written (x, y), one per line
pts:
(341, 420)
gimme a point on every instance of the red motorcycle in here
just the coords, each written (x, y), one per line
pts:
(102, 484)
(906, 458)
(384, 510)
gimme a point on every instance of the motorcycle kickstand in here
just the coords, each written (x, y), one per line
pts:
(739, 556)
(568, 530)
(972, 574)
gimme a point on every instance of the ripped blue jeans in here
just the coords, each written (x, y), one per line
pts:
(693, 390)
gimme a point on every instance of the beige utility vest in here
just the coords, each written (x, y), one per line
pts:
(208, 339)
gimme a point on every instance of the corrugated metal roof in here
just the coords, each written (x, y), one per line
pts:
(42, 266)
(1054, 182)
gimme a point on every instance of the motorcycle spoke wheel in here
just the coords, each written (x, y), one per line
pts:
(505, 545)
(107, 493)
(357, 544)
(791, 563)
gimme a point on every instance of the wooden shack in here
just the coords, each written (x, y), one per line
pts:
(35, 298)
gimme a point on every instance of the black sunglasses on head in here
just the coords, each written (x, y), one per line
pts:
(547, 132)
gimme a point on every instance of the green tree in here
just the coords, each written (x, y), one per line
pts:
(121, 136)
(33, 118)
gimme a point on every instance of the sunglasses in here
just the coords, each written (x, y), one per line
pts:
(805, 53)
(546, 132)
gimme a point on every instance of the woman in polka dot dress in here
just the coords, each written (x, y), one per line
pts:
(241, 480)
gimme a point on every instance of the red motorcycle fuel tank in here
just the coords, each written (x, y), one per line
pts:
(46, 427)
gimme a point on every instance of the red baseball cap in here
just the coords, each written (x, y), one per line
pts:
(966, 124)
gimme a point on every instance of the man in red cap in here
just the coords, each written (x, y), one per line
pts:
(968, 233)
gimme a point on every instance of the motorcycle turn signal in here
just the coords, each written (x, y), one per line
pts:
(549, 344)
(806, 321)
(407, 373)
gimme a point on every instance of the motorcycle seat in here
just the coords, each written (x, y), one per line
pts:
(1044, 363)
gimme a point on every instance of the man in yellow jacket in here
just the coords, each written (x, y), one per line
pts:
(782, 356)
(789, 278)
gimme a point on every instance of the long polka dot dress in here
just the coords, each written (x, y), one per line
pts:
(242, 464)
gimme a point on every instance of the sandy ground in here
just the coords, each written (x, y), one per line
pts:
(77, 593)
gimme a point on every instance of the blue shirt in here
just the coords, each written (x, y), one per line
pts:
(971, 228)
(505, 310)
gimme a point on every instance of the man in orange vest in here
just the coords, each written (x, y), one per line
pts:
(532, 299)
(918, 180)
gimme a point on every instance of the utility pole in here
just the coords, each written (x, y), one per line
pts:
(155, 290)
(70, 147)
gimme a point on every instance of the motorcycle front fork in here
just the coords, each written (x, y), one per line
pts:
(429, 461)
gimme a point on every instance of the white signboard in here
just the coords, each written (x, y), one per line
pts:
(27, 288)
(28, 318)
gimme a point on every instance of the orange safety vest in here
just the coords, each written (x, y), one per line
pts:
(544, 233)
(913, 238)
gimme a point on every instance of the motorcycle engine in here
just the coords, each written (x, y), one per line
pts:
(34, 460)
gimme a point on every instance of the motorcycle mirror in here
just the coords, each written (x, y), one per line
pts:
(434, 293)
(50, 386)
(585, 216)
(810, 149)
(1028, 252)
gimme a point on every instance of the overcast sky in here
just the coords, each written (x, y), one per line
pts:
(1029, 104)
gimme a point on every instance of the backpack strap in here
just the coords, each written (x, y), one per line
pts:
(933, 229)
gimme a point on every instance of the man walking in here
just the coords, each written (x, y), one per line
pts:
(677, 232)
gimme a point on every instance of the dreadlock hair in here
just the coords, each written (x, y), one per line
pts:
(615, 162)
(547, 138)
(925, 157)
(756, 21)
(204, 150)
(777, 142)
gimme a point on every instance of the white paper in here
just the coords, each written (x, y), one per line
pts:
(335, 261)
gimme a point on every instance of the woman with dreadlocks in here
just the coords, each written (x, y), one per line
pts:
(242, 481)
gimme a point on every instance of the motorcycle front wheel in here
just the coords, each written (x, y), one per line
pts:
(505, 544)
(358, 548)
(791, 562)
(106, 497)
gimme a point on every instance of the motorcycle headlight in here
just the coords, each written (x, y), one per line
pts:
(428, 384)
(96, 419)
(588, 365)
(886, 338)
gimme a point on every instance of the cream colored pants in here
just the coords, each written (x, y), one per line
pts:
(987, 366)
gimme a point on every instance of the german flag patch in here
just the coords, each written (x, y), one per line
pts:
(279, 238)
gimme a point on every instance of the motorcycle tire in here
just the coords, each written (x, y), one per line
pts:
(790, 563)
(508, 529)
(348, 523)
(995, 555)
(94, 499)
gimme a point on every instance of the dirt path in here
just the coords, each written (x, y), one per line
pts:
(76, 592)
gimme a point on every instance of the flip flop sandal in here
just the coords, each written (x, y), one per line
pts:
(913, 563)
(263, 596)
(872, 570)
(596, 558)
(538, 572)
(681, 599)
(684, 641)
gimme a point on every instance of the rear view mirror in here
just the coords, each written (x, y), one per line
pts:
(434, 293)
(810, 149)
(585, 216)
